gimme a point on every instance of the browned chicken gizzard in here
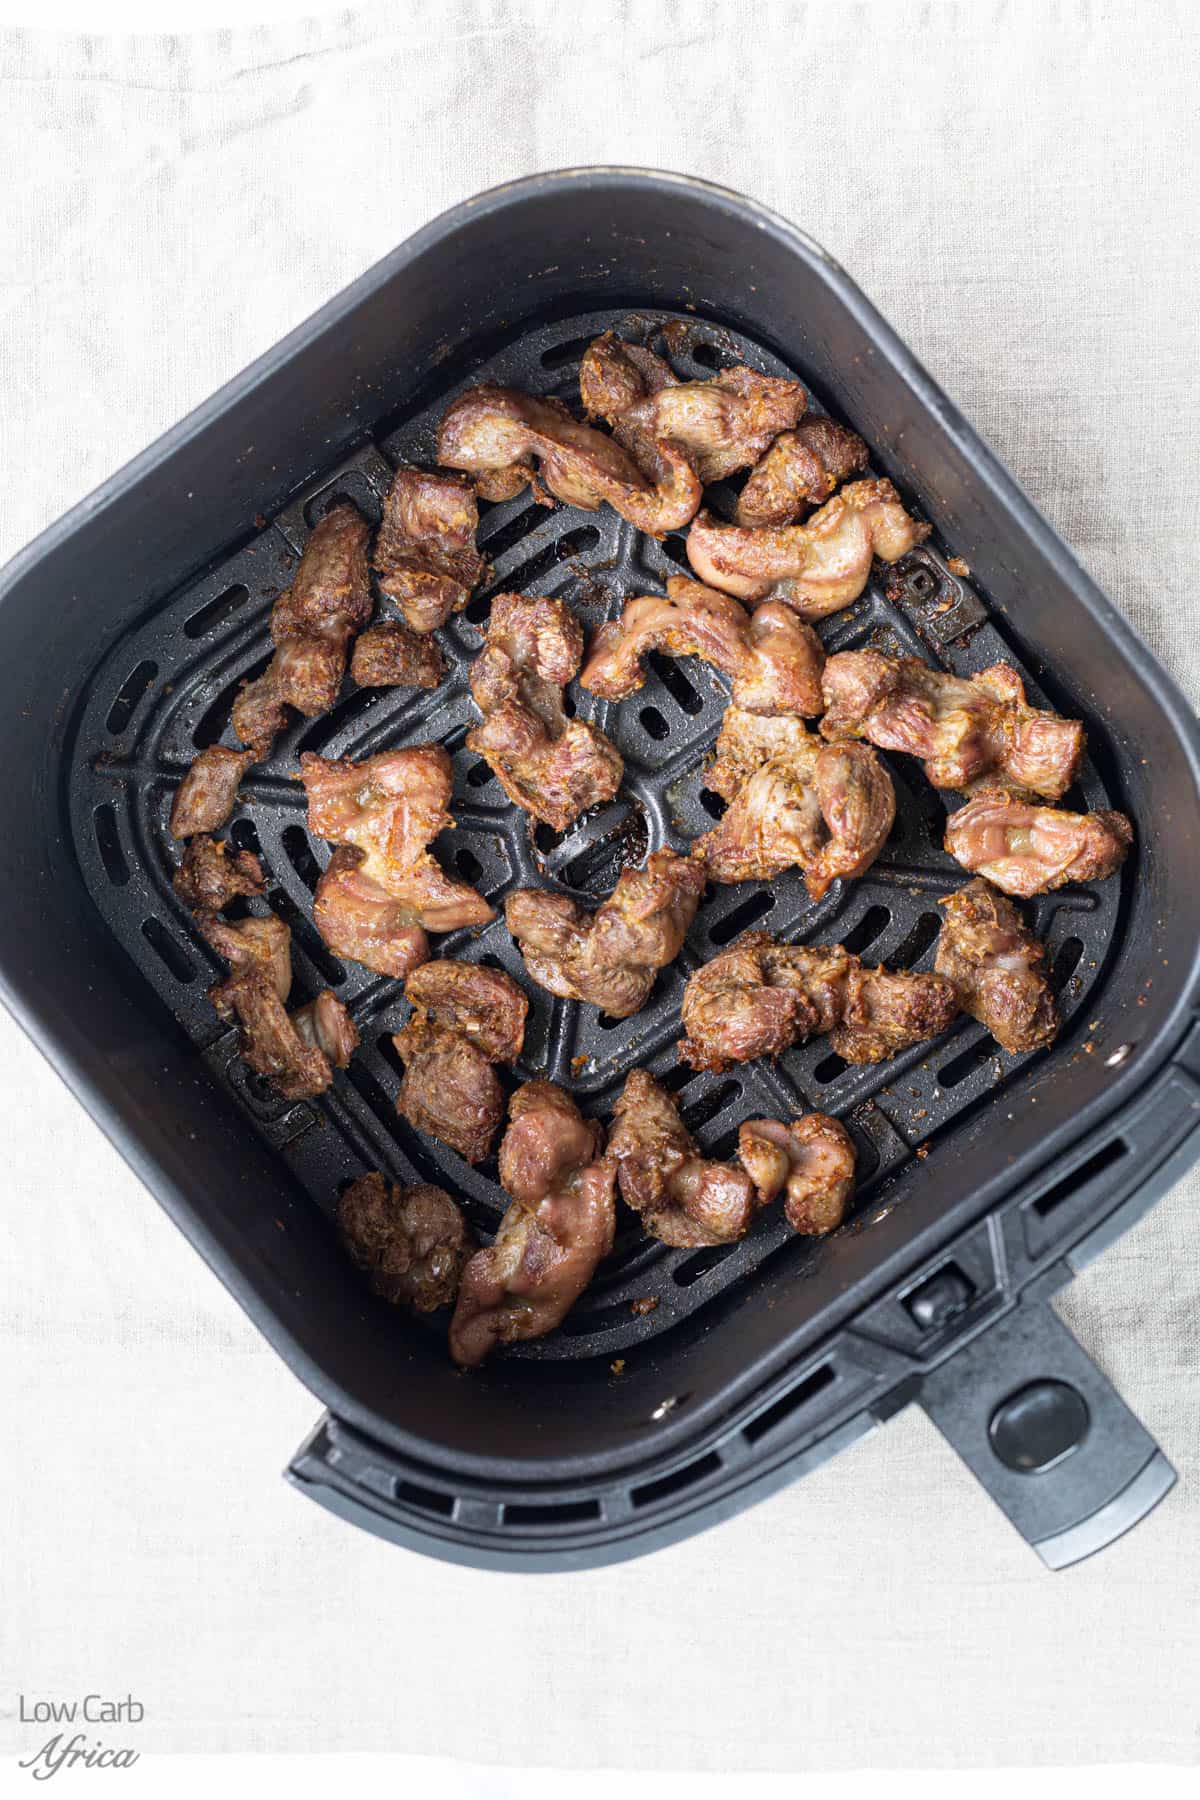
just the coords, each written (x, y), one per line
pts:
(552, 766)
(759, 997)
(312, 625)
(497, 435)
(724, 423)
(802, 468)
(466, 1019)
(208, 792)
(210, 876)
(810, 1161)
(383, 891)
(689, 1201)
(794, 802)
(610, 957)
(297, 1052)
(774, 659)
(960, 727)
(411, 1243)
(560, 1222)
(818, 567)
(997, 966)
(1026, 849)
(425, 555)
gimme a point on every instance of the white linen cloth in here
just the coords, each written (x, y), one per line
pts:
(1015, 185)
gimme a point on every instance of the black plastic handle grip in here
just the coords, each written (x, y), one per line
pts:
(1047, 1435)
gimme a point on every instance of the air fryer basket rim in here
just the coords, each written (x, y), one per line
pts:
(1130, 1084)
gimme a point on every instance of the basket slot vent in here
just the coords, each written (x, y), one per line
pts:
(713, 804)
(693, 1267)
(414, 1493)
(169, 951)
(349, 711)
(218, 611)
(495, 543)
(104, 822)
(1066, 961)
(132, 689)
(709, 1105)
(676, 683)
(875, 920)
(300, 854)
(774, 1415)
(922, 935)
(676, 1481)
(1079, 1177)
(565, 1512)
(307, 936)
(966, 1063)
(653, 724)
(830, 1067)
(755, 906)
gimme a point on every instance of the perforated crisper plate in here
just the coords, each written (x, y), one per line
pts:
(165, 692)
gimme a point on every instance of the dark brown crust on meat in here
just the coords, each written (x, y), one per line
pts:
(759, 996)
(1026, 849)
(683, 1198)
(210, 877)
(465, 1018)
(425, 553)
(997, 966)
(794, 803)
(724, 423)
(412, 1243)
(552, 766)
(818, 567)
(208, 792)
(608, 958)
(774, 658)
(312, 625)
(802, 468)
(496, 434)
(392, 655)
(811, 1161)
(962, 728)
(560, 1222)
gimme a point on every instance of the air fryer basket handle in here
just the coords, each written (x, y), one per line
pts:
(1048, 1436)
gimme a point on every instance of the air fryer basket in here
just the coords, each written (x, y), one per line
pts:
(985, 1180)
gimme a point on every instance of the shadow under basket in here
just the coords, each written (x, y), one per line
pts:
(986, 1180)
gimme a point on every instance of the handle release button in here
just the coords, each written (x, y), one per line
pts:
(1038, 1426)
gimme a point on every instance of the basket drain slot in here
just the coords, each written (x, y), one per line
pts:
(676, 683)
(922, 935)
(565, 1512)
(169, 951)
(756, 906)
(413, 1493)
(132, 690)
(654, 724)
(217, 611)
(693, 1267)
(300, 854)
(709, 1105)
(1087, 1171)
(104, 822)
(676, 1481)
(215, 716)
(875, 920)
(307, 936)
(830, 1067)
(966, 1063)
(1066, 961)
(789, 1403)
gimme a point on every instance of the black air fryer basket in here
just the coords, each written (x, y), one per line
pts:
(986, 1180)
